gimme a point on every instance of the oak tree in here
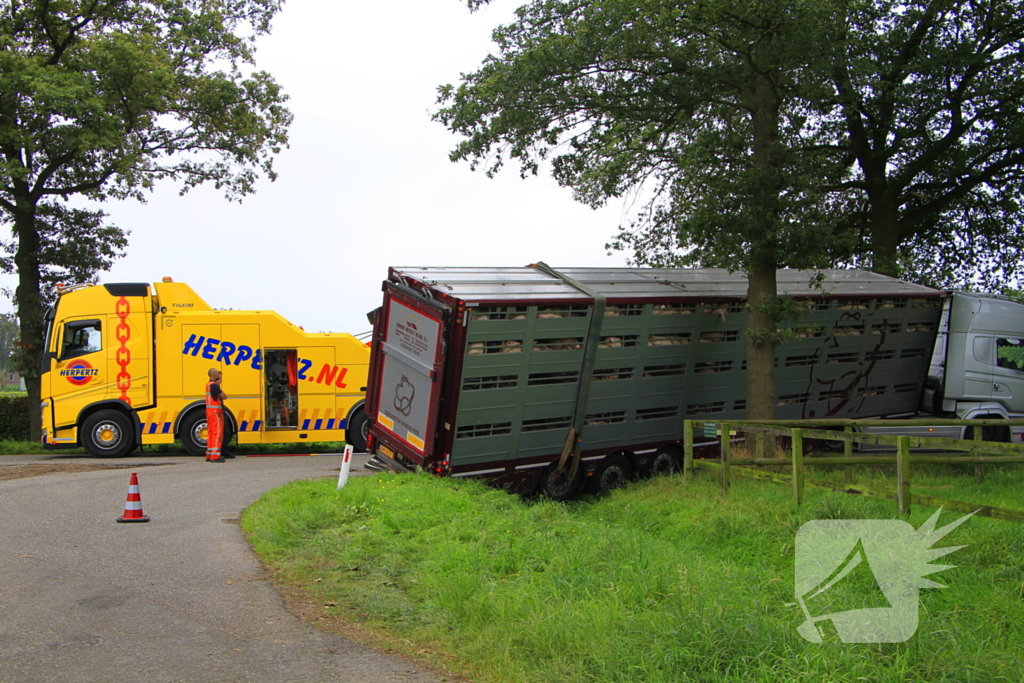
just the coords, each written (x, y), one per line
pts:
(101, 99)
(928, 107)
(699, 102)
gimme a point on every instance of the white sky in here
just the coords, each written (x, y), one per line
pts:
(366, 182)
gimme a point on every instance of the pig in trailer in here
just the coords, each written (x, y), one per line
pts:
(540, 378)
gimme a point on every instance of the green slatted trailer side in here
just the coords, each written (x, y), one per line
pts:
(670, 346)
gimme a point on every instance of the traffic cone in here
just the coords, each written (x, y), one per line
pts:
(133, 507)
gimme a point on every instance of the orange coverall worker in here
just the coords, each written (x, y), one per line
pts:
(214, 421)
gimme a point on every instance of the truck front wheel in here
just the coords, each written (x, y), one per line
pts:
(108, 434)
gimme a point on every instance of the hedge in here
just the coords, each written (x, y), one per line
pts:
(14, 418)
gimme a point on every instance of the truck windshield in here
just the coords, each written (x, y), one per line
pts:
(44, 356)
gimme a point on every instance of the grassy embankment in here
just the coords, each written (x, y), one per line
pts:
(664, 581)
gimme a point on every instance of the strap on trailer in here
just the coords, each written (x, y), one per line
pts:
(573, 447)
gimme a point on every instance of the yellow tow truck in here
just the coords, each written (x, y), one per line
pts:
(126, 365)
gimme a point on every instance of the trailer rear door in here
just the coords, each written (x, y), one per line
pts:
(406, 386)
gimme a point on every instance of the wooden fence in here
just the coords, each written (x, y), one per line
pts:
(982, 452)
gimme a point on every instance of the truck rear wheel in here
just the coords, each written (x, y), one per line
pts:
(556, 484)
(193, 433)
(108, 434)
(614, 472)
(668, 460)
(358, 432)
(193, 430)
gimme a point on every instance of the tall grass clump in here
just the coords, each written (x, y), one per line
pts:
(664, 581)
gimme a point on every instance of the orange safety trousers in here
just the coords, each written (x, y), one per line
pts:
(214, 425)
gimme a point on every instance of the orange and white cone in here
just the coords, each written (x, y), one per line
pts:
(133, 507)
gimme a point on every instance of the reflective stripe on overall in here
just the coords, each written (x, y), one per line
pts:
(214, 424)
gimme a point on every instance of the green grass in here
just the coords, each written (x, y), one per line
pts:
(664, 581)
(1001, 485)
(36, 448)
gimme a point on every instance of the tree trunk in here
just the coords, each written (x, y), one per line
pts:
(761, 292)
(885, 239)
(29, 303)
(762, 259)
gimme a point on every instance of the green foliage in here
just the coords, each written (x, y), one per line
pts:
(8, 345)
(928, 99)
(898, 146)
(695, 101)
(74, 245)
(14, 411)
(106, 98)
(700, 103)
(663, 581)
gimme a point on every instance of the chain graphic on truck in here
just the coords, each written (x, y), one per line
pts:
(229, 353)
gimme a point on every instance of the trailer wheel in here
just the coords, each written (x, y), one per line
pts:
(108, 434)
(614, 472)
(556, 485)
(668, 460)
(358, 432)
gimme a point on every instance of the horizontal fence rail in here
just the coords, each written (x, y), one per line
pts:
(982, 452)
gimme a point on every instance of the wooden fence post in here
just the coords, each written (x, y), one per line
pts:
(979, 469)
(903, 474)
(759, 440)
(848, 453)
(725, 446)
(687, 448)
(798, 463)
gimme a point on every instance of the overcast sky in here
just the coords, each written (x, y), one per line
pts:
(366, 182)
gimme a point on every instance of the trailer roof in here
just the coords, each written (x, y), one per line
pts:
(527, 283)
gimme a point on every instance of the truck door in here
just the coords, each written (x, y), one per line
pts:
(1008, 376)
(78, 366)
(979, 366)
(405, 389)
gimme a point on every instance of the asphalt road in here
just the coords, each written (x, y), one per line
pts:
(181, 599)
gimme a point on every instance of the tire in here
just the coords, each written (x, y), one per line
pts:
(358, 431)
(614, 472)
(667, 460)
(108, 434)
(555, 484)
(192, 433)
(993, 433)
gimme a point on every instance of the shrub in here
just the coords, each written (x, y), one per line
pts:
(14, 418)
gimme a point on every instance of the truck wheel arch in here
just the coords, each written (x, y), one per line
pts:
(355, 409)
(201, 405)
(112, 404)
(1001, 434)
